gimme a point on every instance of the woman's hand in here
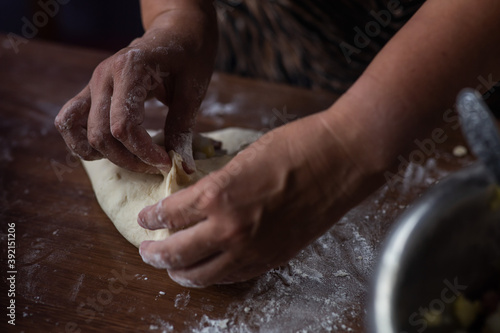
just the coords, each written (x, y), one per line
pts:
(286, 189)
(173, 62)
(270, 201)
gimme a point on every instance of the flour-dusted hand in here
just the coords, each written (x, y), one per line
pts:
(271, 200)
(173, 62)
(290, 186)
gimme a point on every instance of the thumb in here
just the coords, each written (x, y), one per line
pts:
(183, 106)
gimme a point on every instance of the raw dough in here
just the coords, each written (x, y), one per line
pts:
(122, 194)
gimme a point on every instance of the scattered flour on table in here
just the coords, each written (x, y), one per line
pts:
(182, 300)
(341, 273)
(76, 288)
(306, 295)
(160, 325)
(310, 294)
(207, 325)
(459, 151)
(141, 277)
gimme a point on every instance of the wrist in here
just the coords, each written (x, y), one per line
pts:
(153, 10)
(193, 30)
(358, 138)
(330, 154)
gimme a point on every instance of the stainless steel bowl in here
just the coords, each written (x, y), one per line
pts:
(446, 244)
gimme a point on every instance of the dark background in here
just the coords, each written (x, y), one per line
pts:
(104, 24)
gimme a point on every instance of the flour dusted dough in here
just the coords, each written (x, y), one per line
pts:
(122, 194)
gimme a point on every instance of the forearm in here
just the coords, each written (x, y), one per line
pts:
(404, 92)
(192, 22)
(151, 10)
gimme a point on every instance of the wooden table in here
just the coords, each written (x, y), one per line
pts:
(74, 271)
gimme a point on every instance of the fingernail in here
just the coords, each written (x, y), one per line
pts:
(154, 259)
(143, 246)
(141, 221)
(142, 251)
(142, 217)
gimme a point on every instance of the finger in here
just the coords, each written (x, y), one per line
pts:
(184, 248)
(174, 212)
(99, 132)
(211, 271)
(126, 117)
(187, 95)
(182, 143)
(224, 268)
(71, 122)
(245, 273)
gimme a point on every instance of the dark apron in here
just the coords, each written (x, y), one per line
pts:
(315, 44)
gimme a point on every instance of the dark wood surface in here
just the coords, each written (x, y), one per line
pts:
(76, 273)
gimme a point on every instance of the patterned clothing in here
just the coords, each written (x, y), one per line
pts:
(316, 44)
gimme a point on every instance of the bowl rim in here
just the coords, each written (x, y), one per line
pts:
(418, 220)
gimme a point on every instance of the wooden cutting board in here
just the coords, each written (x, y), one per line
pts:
(75, 273)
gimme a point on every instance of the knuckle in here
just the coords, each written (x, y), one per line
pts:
(182, 218)
(126, 59)
(59, 122)
(172, 224)
(236, 233)
(83, 150)
(210, 194)
(97, 139)
(174, 261)
(165, 258)
(70, 113)
(87, 154)
(119, 130)
(101, 70)
(163, 219)
(120, 61)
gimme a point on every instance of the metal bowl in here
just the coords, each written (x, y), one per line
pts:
(446, 244)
